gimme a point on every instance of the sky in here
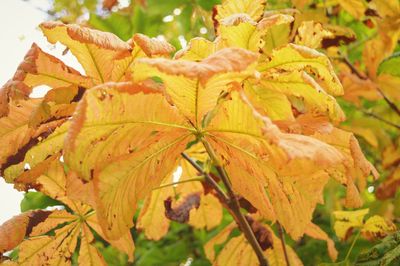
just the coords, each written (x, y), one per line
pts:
(18, 25)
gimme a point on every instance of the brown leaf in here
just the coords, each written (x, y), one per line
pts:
(262, 234)
(181, 212)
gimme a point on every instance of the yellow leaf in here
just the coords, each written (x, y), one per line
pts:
(346, 220)
(237, 252)
(124, 243)
(153, 47)
(276, 255)
(88, 254)
(363, 132)
(253, 9)
(303, 87)
(356, 8)
(53, 183)
(311, 34)
(277, 27)
(14, 130)
(197, 50)
(355, 168)
(294, 57)
(218, 239)
(53, 220)
(300, 3)
(259, 155)
(241, 31)
(209, 213)
(135, 140)
(45, 69)
(96, 51)
(376, 226)
(273, 104)
(358, 167)
(51, 250)
(49, 143)
(389, 8)
(194, 87)
(152, 218)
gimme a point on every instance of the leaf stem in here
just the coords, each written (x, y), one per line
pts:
(352, 246)
(199, 178)
(282, 237)
(208, 178)
(234, 205)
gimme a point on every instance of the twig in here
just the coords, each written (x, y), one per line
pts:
(381, 119)
(235, 207)
(389, 102)
(282, 237)
(353, 68)
(361, 76)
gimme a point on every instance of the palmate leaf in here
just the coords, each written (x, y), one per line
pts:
(41, 132)
(133, 141)
(284, 84)
(40, 247)
(140, 145)
(119, 175)
(256, 153)
(270, 161)
(194, 87)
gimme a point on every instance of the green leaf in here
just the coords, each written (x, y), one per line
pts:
(37, 200)
(390, 65)
(385, 253)
(117, 23)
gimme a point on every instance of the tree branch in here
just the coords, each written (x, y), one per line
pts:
(282, 237)
(234, 205)
(353, 68)
(209, 179)
(391, 104)
(381, 119)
